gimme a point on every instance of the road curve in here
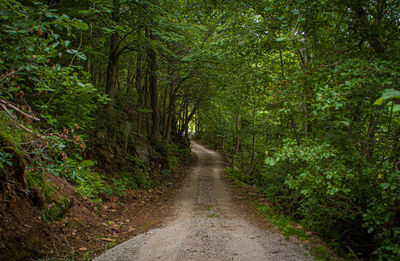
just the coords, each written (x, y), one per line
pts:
(206, 225)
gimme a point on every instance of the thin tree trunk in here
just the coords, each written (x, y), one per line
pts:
(171, 114)
(282, 66)
(146, 102)
(138, 84)
(253, 148)
(90, 43)
(113, 59)
(293, 125)
(371, 135)
(304, 116)
(164, 112)
(165, 99)
(395, 155)
(237, 141)
(187, 120)
(173, 125)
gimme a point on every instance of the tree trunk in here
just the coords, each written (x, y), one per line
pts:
(146, 102)
(368, 30)
(237, 141)
(138, 84)
(370, 139)
(171, 114)
(164, 112)
(282, 66)
(293, 125)
(253, 148)
(113, 59)
(304, 115)
(89, 57)
(187, 121)
(155, 115)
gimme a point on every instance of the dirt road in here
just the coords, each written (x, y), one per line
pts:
(206, 225)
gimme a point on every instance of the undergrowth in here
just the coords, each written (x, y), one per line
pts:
(284, 223)
(289, 228)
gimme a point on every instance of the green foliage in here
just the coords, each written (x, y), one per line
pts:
(132, 180)
(389, 94)
(87, 182)
(5, 159)
(284, 88)
(318, 184)
(380, 217)
(238, 176)
(57, 209)
(9, 131)
(136, 175)
(56, 206)
(293, 112)
(176, 152)
(33, 45)
(136, 162)
(54, 83)
(289, 228)
(37, 180)
(142, 180)
(281, 221)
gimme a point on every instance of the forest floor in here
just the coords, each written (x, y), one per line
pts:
(88, 228)
(208, 223)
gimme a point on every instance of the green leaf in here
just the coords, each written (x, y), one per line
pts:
(391, 94)
(379, 101)
(79, 24)
(384, 185)
(396, 107)
(346, 123)
(388, 94)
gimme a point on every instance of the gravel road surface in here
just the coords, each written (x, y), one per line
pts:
(206, 225)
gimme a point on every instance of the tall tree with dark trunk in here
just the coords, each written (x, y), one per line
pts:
(155, 114)
(113, 57)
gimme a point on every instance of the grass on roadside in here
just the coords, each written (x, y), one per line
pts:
(289, 228)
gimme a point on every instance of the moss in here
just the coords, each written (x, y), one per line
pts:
(11, 132)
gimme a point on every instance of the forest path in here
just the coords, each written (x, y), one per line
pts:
(206, 225)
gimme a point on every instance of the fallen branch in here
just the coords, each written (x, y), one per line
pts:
(2, 105)
(18, 110)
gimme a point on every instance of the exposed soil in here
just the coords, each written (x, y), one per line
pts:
(207, 225)
(88, 228)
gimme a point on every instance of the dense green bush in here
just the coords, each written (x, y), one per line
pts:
(36, 42)
(87, 182)
(313, 120)
(333, 197)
